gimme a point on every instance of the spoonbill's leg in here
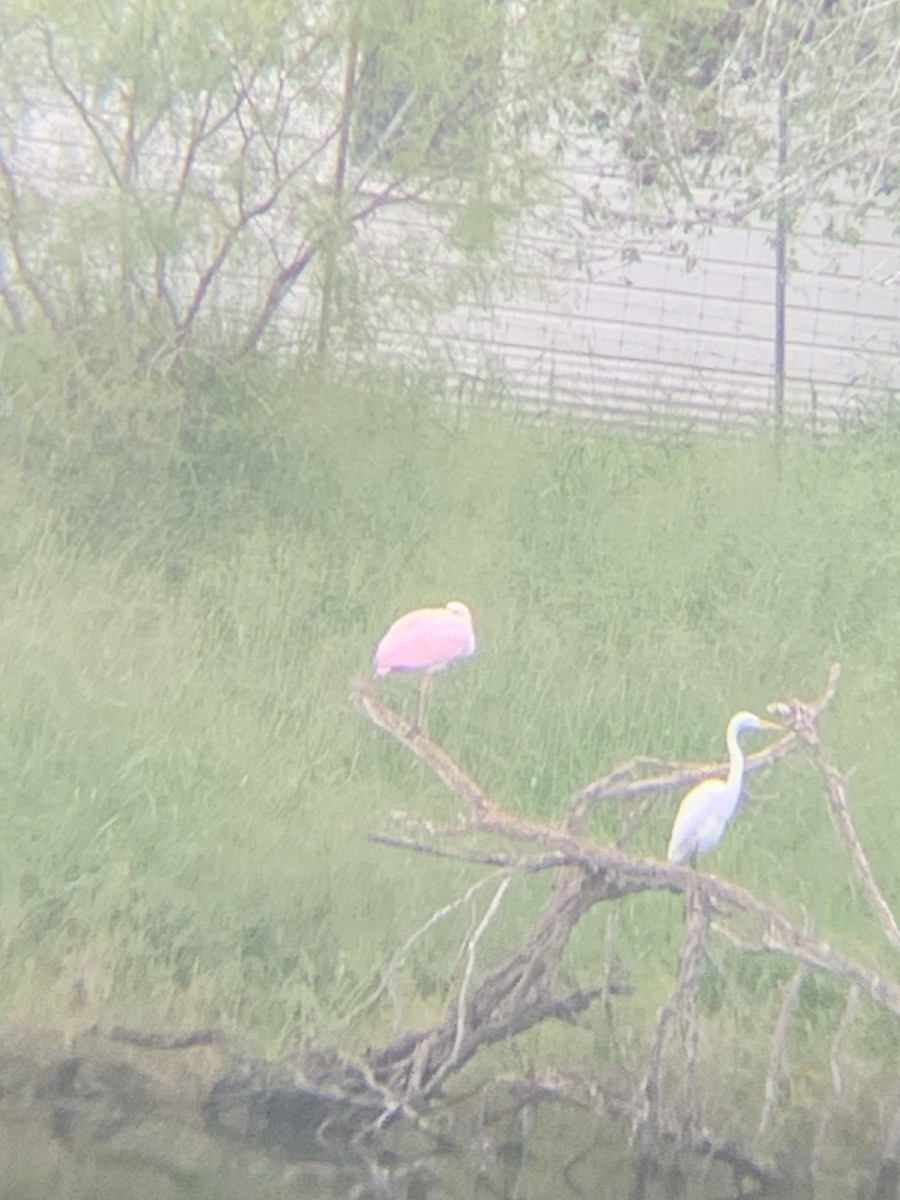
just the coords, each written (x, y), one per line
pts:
(424, 686)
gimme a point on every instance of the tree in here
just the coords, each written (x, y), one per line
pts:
(210, 166)
(523, 989)
(695, 98)
(312, 170)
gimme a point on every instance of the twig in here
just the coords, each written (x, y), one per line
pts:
(613, 873)
(610, 785)
(542, 862)
(437, 758)
(789, 996)
(519, 992)
(837, 1083)
(166, 1041)
(622, 782)
(680, 1006)
(451, 1061)
(400, 956)
(803, 722)
(609, 942)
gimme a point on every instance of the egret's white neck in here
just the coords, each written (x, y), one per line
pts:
(735, 757)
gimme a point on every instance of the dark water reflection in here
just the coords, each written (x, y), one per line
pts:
(34, 1163)
(82, 1127)
(554, 1154)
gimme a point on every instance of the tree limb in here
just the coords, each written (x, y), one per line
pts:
(520, 988)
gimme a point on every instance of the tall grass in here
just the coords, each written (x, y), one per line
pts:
(194, 569)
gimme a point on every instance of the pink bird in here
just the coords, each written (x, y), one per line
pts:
(426, 640)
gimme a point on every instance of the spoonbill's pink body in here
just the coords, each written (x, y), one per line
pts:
(426, 640)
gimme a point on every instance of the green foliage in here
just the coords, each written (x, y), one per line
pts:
(684, 107)
(223, 162)
(228, 168)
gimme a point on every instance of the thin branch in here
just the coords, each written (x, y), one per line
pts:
(28, 277)
(543, 862)
(400, 957)
(280, 286)
(338, 183)
(681, 1007)
(520, 990)
(80, 106)
(778, 1051)
(471, 946)
(621, 784)
(371, 706)
(836, 792)
(218, 259)
(837, 1082)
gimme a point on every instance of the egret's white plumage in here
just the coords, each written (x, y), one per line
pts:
(707, 808)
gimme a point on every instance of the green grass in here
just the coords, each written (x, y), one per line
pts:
(193, 571)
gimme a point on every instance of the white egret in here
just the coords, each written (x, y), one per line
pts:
(707, 808)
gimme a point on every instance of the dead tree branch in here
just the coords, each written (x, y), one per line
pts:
(681, 1007)
(778, 1053)
(837, 1081)
(625, 782)
(802, 720)
(521, 989)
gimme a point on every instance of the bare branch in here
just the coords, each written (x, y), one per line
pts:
(26, 274)
(80, 106)
(400, 957)
(621, 783)
(778, 1052)
(520, 988)
(802, 719)
(278, 289)
(544, 862)
(837, 1083)
(451, 1061)
(371, 706)
(681, 1006)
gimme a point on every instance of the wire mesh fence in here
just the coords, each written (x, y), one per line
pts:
(631, 325)
(628, 321)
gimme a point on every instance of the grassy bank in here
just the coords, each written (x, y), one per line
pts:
(191, 574)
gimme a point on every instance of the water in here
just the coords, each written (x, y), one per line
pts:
(93, 1120)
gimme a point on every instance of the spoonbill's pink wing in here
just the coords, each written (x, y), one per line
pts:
(424, 640)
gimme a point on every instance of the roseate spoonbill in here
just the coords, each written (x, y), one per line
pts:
(426, 640)
(707, 808)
